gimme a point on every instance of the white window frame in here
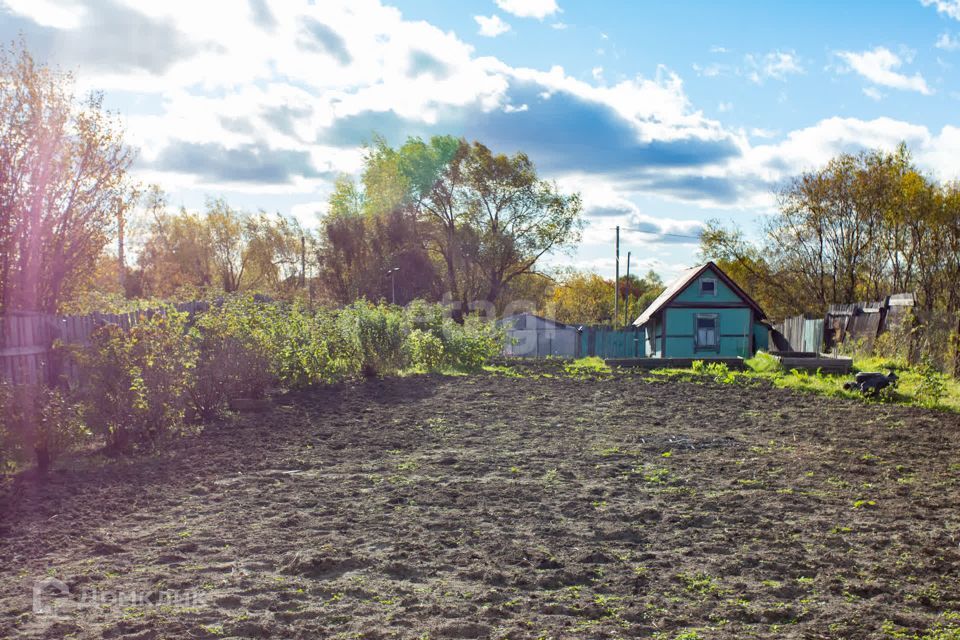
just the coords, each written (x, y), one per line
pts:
(714, 281)
(716, 332)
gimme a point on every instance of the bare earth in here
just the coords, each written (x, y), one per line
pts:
(491, 506)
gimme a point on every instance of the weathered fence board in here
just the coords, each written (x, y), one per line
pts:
(802, 333)
(27, 339)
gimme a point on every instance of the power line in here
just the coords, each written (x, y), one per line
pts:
(657, 233)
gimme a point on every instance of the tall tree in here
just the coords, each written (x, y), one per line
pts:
(222, 247)
(359, 245)
(517, 218)
(861, 227)
(581, 297)
(483, 219)
(63, 183)
(434, 172)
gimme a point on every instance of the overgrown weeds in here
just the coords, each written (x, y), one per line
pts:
(169, 372)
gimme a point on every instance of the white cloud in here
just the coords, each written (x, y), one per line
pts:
(657, 108)
(48, 13)
(775, 65)
(879, 67)
(873, 93)
(309, 213)
(724, 107)
(813, 146)
(491, 27)
(559, 26)
(759, 132)
(948, 7)
(365, 68)
(711, 70)
(538, 9)
(756, 67)
(947, 42)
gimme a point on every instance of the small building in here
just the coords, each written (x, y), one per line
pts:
(533, 336)
(703, 314)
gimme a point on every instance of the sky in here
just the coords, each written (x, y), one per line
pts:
(661, 115)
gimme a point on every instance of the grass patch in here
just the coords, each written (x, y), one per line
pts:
(501, 370)
(919, 385)
(590, 366)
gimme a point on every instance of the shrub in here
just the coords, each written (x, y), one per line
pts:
(466, 346)
(474, 343)
(231, 361)
(37, 422)
(373, 338)
(426, 350)
(427, 317)
(932, 385)
(136, 383)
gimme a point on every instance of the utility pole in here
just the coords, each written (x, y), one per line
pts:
(616, 282)
(393, 284)
(122, 267)
(303, 260)
(626, 304)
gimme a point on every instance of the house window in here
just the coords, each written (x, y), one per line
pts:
(708, 287)
(708, 333)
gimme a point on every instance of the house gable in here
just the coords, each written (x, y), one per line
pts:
(699, 291)
(687, 291)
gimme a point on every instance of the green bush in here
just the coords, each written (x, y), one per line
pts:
(233, 361)
(302, 346)
(719, 371)
(932, 385)
(141, 385)
(426, 350)
(373, 338)
(473, 344)
(39, 423)
(465, 347)
(136, 384)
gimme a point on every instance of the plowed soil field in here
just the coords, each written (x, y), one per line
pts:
(539, 506)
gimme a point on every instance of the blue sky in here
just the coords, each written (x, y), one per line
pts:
(663, 115)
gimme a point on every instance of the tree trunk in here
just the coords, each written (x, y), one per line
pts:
(956, 349)
(458, 305)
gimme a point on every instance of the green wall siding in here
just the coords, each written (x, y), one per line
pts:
(692, 292)
(734, 328)
(682, 347)
(761, 337)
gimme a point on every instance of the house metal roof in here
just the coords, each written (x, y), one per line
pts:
(682, 282)
(525, 319)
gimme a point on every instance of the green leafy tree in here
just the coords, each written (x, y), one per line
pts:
(516, 217)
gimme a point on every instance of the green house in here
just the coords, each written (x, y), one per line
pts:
(702, 315)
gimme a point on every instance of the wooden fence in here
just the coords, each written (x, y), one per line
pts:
(27, 339)
(862, 322)
(857, 322)
(801, 334)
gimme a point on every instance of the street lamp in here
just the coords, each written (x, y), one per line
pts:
(393, 283)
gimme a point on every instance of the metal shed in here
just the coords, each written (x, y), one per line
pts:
(532, 336)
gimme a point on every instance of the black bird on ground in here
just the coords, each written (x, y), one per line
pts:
(871, 382)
